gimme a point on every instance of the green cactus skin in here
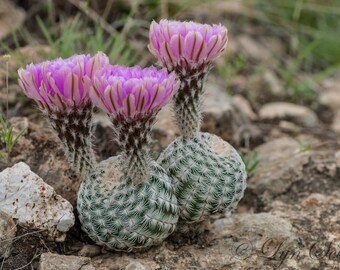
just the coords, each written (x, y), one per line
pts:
(118, 214)
(73, 128)
(208, 175)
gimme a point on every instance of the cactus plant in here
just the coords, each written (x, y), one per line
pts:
(209, 176)
(59, 88)
(125, 202)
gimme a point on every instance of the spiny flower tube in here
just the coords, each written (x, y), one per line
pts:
(127, 202)
(188, 48)
(208, 174)
(60, 88)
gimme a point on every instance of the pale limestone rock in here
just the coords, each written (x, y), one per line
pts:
(165, 129)
(89, 251)
(289, 111)
(330, 99)
(274, 84)
(336, 122)
(253, 48)
(244, 106)
(136, 266)
(218, 113)
(337, 159)
(8, 230)
(330, 94)
(256, 230)
(290, 167)
(33, 203)
(11, 18)
(51, 261)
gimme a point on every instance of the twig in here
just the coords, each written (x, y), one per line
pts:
(24, 235)
(164, 9)
(93, 15)
(2, 264)
(107, 9)
(36, 255)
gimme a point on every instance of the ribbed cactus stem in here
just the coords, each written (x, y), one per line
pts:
(133, 135)
(188, 100)
(73, 127)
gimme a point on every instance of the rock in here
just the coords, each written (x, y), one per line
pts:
(50, 261)
(217, 111)
(336, 122)
(8, 231)
(165, 129)
(337, 159)
(104, 141)
(330, 94)
(136, 266)
(253, 226)
(254, 232)
(274, 84)
(252, 48)
(33, 203)
(330, 99)
(288, 111)
(11, 18)
(89, 251)
(315, 218)
(244, 106)
(289, 127)
(41, 150)
(289, 168)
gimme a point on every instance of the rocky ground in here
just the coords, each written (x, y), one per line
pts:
(289, 217)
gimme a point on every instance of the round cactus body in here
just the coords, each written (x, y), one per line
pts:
(121, 215)
(208, 175)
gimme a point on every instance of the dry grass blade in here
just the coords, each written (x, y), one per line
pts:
(81, 5)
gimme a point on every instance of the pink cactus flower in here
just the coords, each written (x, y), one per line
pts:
(61, 83)
(187, 45)
(124, 92)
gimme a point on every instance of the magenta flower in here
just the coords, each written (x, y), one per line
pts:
(125, 92)
(61, 83)
(186, 44)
